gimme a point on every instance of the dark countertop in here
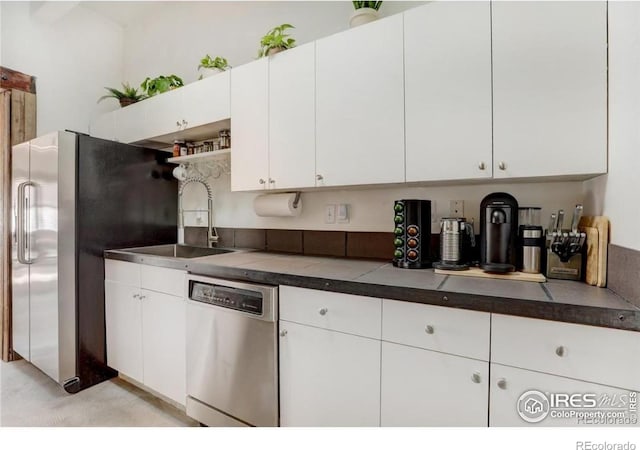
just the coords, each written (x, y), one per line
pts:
(565, 301)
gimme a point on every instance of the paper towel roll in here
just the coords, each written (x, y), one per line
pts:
(277, 205)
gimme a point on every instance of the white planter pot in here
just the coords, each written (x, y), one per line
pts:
(207, 72)
(362, 16)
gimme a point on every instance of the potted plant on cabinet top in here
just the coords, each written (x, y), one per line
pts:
(365, 12)
(158, 85)
(276, 41)
(126, 97)
(211, 66)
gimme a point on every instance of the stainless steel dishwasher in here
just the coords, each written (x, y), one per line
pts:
(232, 352)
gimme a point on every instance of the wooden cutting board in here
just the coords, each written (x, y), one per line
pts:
(479, 273)
(597, 263)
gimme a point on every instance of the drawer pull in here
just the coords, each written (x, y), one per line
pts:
(476, 377)
(429, 329)
(136, 295)
(283, 333)
(502, 383)
(445, 298)
(560, 351)
(323, 311)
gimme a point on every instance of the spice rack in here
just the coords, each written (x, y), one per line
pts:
(205, 156)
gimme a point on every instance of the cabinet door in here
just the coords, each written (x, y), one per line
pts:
(163, 341)
(447, 65)
(509, 385)
(292, 118)
(123, 317)
(328, 378)
(164, 114)
(131, 123)
(250, 126)
(206, 101)
(360, 105)
(104, 126)
(549, 88)
(421, 388)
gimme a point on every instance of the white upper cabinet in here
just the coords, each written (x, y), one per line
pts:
(206, 101)
(447, 63)
(131, 123)
(163, 114)
(549, 88)
(292, 115)
(360, 105)
(250, 126)
(104, 126)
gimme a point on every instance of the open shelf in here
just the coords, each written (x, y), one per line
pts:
(216, 154)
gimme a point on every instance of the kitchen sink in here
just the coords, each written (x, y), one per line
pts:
(179, 251)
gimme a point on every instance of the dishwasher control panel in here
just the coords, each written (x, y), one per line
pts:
(227, 297)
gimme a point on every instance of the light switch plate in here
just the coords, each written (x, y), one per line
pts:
(342, 213)
(330, 213)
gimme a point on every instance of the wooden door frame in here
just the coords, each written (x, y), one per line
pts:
(17, 124)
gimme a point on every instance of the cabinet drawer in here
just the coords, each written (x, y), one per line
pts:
(340, 312)
(448, 330)
(122, 272)
(598, 355)
(160, 279)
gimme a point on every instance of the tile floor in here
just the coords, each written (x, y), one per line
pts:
(30, 398)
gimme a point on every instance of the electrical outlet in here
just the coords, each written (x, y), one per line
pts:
(330, 214)
(342, 213)
(456, 208)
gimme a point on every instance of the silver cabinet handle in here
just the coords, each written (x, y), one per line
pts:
(136, 295)
(429, 329)
(184, 123)
(445, 298)
(283, 333)
(502, 166)
(502, 383)
(271, 180)
(178, 124)
(261, 181)
(323, 311)
(560, 351)
(476, 378)
(481, 166)
(319, 177)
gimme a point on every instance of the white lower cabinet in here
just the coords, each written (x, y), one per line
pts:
(519, 391)
(146, 328)
(328, 378)
(423, 388)
(123, 316)
(163, 344)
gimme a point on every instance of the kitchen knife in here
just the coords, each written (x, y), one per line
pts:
(577, 214)
(552, 224)
(559, 223)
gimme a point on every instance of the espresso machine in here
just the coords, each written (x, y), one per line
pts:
(457, 239)
(498, 233)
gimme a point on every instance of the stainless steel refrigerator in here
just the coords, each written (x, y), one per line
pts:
(75, 196)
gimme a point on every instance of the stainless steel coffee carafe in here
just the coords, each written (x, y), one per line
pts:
(456, 239)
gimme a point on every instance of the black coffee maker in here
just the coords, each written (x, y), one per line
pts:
(498, 232)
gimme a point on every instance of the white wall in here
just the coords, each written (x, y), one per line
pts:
(178, 34)
(72, 58)
(372, 209)
(616, 194)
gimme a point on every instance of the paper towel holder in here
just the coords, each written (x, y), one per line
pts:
(296, 200)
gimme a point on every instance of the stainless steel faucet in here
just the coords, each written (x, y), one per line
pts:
(212, 234)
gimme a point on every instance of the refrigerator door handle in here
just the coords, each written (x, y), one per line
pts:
(21, 225)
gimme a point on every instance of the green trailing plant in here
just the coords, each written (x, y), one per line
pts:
(214, 63)
(158, 85)
(276, 39)
(126, 96)
(372, 5)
